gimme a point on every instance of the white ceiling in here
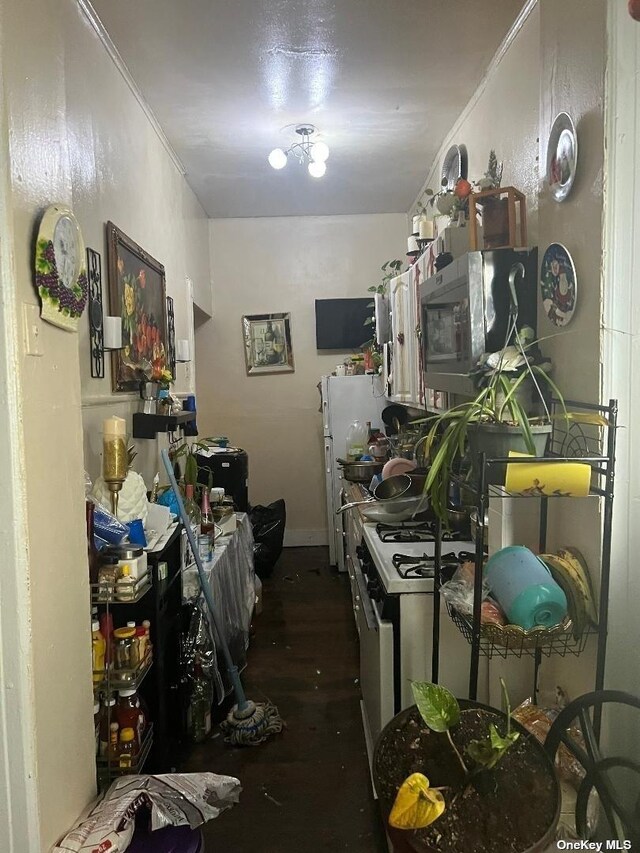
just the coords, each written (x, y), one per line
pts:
(383, 81)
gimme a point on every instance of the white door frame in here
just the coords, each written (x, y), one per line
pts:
(621, 334)
(19, 805)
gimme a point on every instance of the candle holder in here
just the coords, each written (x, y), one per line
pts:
(115, 464)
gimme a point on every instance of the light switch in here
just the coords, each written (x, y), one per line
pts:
(32, 329)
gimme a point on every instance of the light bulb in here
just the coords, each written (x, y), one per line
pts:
(277, 158)
(317, 170)
(319, 152)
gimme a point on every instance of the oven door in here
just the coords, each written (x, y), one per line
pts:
(376, 663)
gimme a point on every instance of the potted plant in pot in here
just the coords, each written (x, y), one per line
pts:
(499, 419)
(371, 349)
(461, 777)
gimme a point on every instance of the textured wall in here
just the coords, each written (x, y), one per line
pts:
(283, 264)
(78, 136)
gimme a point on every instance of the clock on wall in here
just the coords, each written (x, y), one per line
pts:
(60, 268)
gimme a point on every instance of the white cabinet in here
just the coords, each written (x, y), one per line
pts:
(402, 356)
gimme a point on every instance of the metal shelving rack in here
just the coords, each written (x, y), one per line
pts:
(112, 679)
(574, 440)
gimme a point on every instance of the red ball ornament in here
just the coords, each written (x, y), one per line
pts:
(634, 9)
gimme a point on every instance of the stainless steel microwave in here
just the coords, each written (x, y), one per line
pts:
(473, 306)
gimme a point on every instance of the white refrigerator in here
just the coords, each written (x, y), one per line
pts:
(344, 400)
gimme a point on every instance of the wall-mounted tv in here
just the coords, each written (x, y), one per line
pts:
(340, 323)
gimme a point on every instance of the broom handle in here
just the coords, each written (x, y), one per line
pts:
(232, 669)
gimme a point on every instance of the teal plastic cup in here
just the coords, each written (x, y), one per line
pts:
(523, 586)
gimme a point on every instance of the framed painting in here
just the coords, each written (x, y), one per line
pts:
(267, 343)
(137, 294)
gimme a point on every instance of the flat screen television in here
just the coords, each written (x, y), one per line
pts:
(340, 323)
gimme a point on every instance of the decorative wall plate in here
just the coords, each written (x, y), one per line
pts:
(562, 156)
(558, 284)
(454, 166)
(60, 268)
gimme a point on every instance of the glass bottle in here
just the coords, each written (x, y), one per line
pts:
(107, 717)
(130, 714)
(206, 523)
(112, 751)
(200, 702)
(192, 508)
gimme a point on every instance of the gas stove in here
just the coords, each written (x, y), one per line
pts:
(414, 572)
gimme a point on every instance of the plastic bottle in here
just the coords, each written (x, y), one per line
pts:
(98, 649)
(356, 440)
(130, 714)
(200, 702)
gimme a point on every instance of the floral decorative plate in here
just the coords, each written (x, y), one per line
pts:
(562, 156)
(558, 284)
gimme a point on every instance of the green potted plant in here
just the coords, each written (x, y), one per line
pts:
(371, 348)
(461, 777)
(497, 420)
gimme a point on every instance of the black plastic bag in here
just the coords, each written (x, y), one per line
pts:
(268, 523)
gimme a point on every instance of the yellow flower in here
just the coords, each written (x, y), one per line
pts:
(129, 299)
(417, 805)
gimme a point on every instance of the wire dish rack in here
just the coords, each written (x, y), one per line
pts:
(513, 641)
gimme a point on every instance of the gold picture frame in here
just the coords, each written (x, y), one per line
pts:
(267, 343)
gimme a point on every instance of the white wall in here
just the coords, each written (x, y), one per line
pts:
(77, 135)
(274, 265)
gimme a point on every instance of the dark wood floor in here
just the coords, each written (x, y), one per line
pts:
(308, 789)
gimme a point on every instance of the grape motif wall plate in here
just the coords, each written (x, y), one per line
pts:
(60, 268)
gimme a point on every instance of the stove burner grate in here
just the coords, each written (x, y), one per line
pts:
(423, 566)
(424, 531)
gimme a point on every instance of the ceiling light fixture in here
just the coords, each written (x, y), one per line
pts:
(309, 153)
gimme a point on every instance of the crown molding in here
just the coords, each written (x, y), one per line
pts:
(92, 17)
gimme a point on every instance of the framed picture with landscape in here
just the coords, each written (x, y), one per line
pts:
(267, 343)
(137, 294)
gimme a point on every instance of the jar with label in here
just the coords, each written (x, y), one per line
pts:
(125, 584)
(128, 749)
(125, 654)
(107, 577)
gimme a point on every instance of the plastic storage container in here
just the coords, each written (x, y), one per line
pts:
(525, 589)
(357, 439)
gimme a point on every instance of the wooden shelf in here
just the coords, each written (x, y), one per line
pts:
(148, 426)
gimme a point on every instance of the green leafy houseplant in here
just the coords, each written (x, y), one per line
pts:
(417, 803)
(390, 269)
(499, 379)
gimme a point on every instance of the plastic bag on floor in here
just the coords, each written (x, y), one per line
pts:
(268, 523)
(175, 799)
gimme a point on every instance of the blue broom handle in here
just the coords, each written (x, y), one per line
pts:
(232, 669)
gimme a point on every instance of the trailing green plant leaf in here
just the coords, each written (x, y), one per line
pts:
(438, 706)
(488, 751)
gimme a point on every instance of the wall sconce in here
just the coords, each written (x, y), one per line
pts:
(183, 350)
(105, 333)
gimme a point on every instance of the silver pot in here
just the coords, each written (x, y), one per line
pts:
(360, 472)
(397, 494)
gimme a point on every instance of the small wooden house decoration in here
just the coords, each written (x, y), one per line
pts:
(504, 219)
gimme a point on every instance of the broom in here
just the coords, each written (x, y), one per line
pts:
(248, 723)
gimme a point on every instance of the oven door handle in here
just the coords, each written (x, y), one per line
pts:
(368, 607)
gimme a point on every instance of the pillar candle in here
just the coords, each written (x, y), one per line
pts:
(426, 229)
(412, 244)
